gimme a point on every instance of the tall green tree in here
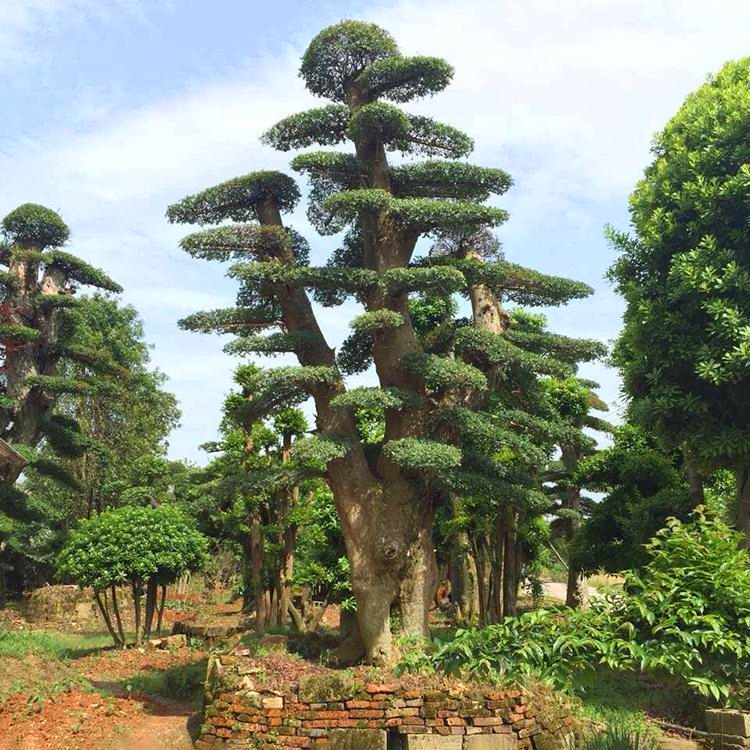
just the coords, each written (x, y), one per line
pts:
(684, 272)
(38, 329)
(386, 495)
(124, 425)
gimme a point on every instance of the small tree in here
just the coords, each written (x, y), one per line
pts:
(141, 546)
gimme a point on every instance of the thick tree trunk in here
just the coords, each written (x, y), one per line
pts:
(742, 477)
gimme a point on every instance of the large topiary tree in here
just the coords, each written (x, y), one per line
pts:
(37, 332)
(385, 493)
(684, 272)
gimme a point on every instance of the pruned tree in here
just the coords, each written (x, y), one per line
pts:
(573, 400)
(385, 495)
(37, 332)
(37, 335)
(147, 548)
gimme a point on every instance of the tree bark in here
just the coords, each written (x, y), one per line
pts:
(137, 587)
(148, 620)
(161, 608)
(106, 618)
(116, 612)
(256, 565)
(510, 567)
(742, 477)
(695, 481)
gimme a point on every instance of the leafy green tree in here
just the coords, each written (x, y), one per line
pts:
(126, 426)
(144, 547)
(684, 272)
(385, 495)
(643, 487)
(37, 330)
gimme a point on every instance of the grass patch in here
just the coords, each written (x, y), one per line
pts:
(629, 700)
(63, 646)
(183, 682)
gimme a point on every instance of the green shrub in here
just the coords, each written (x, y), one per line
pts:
(617, 737)
(685, 616)
(143, 546)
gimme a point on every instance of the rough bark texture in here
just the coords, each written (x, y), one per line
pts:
(695, 482)
(743, 504)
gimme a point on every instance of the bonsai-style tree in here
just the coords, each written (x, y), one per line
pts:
(144, 547)
(37, 332)
(684, 352)
(573, 400)
(385, 493)
(253, 488)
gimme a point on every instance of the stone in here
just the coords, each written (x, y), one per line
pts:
(728, 721)
(327, 688)
(548, 741)
(490, 742)
(433, 742)
(357, 739)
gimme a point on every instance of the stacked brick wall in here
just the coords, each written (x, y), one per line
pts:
(337, 711)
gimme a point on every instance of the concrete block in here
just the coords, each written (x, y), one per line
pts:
(357, 739)
(433, 742)
(727, 721)
(490, 742)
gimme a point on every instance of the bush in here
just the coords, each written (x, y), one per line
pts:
(685, 616)
(142, 546)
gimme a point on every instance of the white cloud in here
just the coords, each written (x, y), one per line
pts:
(565, 95)
(24, 21)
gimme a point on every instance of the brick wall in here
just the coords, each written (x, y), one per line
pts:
(340, 711)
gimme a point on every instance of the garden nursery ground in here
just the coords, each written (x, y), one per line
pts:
(63, 686)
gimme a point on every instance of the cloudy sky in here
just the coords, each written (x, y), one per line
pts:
(111, 110)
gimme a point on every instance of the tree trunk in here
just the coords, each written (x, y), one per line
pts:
(742, 476)
(499, 563)
(256, 566)
(695, 481)
(137, 593)
(116, 612)
(148, 620)
(510, 567)
(106, 618)
(161, 608)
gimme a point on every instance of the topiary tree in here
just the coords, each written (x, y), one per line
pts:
(144, 547)
(684, 352)
(37, 331)
(385, 493)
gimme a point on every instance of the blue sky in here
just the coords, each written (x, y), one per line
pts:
(112, 110)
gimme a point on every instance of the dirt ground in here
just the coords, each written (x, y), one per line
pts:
(86, 702)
